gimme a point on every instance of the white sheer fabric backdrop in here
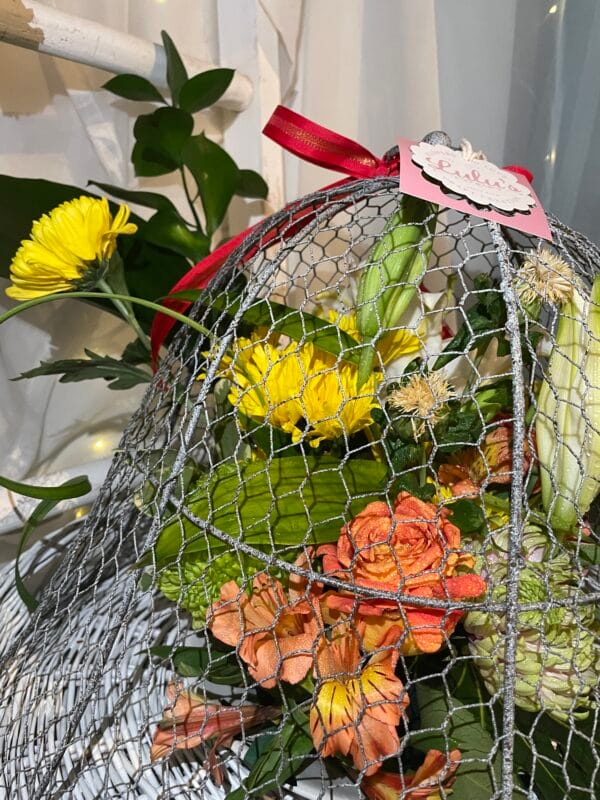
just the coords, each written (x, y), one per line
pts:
(517, 79)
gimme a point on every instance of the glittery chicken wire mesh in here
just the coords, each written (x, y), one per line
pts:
(300, 583)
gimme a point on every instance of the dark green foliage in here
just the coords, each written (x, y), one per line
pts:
(118, 373)
(134, 87)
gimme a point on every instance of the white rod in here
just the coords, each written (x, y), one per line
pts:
(30, 24)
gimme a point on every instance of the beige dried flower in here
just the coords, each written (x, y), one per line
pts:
(424, 396)
(544, 276)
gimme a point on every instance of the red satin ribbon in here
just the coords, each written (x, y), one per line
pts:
(323, 147)
(308, 141)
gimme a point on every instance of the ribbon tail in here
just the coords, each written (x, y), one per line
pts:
(320, 146)
(197, 278)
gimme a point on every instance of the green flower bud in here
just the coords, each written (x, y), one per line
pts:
(557, 649)
(194, 583)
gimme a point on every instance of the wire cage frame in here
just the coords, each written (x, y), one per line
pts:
(82, 683)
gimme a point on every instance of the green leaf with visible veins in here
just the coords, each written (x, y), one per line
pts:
(289, 501)
(119, 374)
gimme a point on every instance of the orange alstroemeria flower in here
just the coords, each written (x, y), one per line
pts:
(275, 635)
(414, 550)
(436, 772)
(188, 721)
(356, 711)
(474, 467)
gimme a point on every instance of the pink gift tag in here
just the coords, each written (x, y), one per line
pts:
(490, 185)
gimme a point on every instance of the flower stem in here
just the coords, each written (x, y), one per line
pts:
(48, 298)
(124, 308)
(189, 199)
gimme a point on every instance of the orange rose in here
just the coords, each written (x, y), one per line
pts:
(413, 550)
(410, 548)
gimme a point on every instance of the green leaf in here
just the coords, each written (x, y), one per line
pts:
(467, 516)
(289, 501)
(150, 270)
(205, 89)
(167, 229)
(459, 716)
(560, 758)
(148, 199)
(134, 87)
(136, 353)
(75, 487)
(176, 71)
(284, 757)
(404, 455)
(160, 139)
(494, 399)
(461, 427)
(206, 664)
(483, 322)
(298, 325)
(251, 185)
(118, 374)
(216, 176)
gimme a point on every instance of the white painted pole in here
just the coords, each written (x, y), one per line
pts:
(30, 24)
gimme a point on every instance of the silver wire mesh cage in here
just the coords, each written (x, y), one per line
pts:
(307, 578)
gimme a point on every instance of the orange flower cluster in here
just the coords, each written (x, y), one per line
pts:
(475, 467)
(349, 643)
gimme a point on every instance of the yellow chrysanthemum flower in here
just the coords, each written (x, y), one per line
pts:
(65, 244)
(299, 389)
(391, 345)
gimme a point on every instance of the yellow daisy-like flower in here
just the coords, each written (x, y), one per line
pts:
(300, 389)
(266, 382)
(65, 244)
(330, 400)
(391, 345)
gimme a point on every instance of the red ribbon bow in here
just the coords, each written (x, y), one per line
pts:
(313, 143)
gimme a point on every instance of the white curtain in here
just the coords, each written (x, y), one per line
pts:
(55, 124)
(520, 80)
